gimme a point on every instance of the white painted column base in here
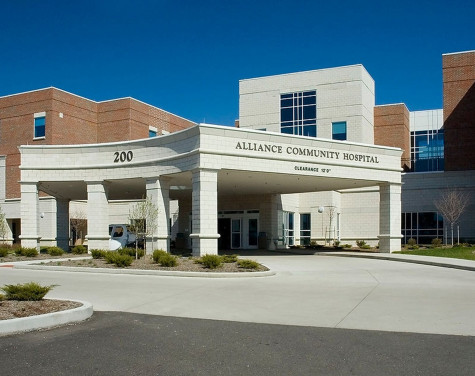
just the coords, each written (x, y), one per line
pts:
(204, 244)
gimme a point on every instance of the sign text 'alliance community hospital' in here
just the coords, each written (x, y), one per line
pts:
(305, 152)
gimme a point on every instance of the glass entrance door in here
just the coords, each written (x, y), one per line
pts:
(252, 232)
(236, 233)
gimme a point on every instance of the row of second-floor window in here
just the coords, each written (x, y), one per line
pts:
(298, 115)
(427, 150)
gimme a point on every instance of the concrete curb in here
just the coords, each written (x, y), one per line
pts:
(148, 272)
(434, 262)
(47, 320)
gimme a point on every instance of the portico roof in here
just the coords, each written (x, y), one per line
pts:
(248, 162)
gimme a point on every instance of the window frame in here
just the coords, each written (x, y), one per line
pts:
(334, 134)
(37, 116)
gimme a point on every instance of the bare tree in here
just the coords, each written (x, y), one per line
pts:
(78, 219)
(143, 218)
(331, 216)
(3, 225)
(452, 204)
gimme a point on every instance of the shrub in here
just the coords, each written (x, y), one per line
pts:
(157, 253)
(360, 243)
(98, 253)
(336, 243)
(248, 264)
(55, 251)
(411, 242)
(2, 297)
(28, 252)
(167, 260)
(210, 261)
(365, 246)
(131, 252)
(228, 259)
(79, 249)
(119, 260)
(346, 246)
(4, 252)
(436, 242)
(27, 291)
(44, 249)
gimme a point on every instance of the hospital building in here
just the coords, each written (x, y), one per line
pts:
(310, 159)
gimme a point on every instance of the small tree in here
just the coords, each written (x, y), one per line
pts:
(143, 218)
(3, 225)
(452, 204)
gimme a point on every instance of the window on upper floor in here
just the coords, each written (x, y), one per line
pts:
(39, 125)
(152, 131)
(339, 130)
(427, 150)
(298, 113)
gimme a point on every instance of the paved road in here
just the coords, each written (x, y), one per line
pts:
(118, 344)
(317, 291)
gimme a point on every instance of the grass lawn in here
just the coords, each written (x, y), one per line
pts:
(467, 253)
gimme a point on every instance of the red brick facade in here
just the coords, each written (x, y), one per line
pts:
(74, 120)
(459, 110)
(392, 128)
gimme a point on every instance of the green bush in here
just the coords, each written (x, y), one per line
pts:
(27, 291)
(119, 260)
(411, 242)
(347, 246)
(131, 252)
(157, 253)
(365, 246)
(228, 259)
(79, 249)
(4, 252)
(248, 264)
(210, 261)
(55, 251)
(168, 260)
(98, 253)
(336, 243)
(436, 242)
(28, 252)
(360, 243)
(2, 297)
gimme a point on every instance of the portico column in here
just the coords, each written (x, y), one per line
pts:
(62, 223)
(205, 212)
(29, 209)
(158, 191)
(97, 216)
(390, 218)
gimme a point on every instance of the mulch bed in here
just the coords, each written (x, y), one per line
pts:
(12, 309)
(146, 263)
(42, 256)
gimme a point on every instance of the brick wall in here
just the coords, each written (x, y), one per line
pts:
(392, 128)
(459, 110)
(71, 119)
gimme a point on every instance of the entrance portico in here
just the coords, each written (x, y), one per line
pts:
(205, 166)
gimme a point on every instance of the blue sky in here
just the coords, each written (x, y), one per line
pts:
(187, 57)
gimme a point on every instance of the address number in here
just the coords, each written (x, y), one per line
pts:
(123, 156)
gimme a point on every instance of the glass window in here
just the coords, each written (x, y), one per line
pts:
(288, 227)
(427, 150)
(152, 133)
(40, 125)
(298, 113)
(305, 229)
(423, 227)
(339, 130)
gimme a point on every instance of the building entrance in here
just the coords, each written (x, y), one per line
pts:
(238, 229)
